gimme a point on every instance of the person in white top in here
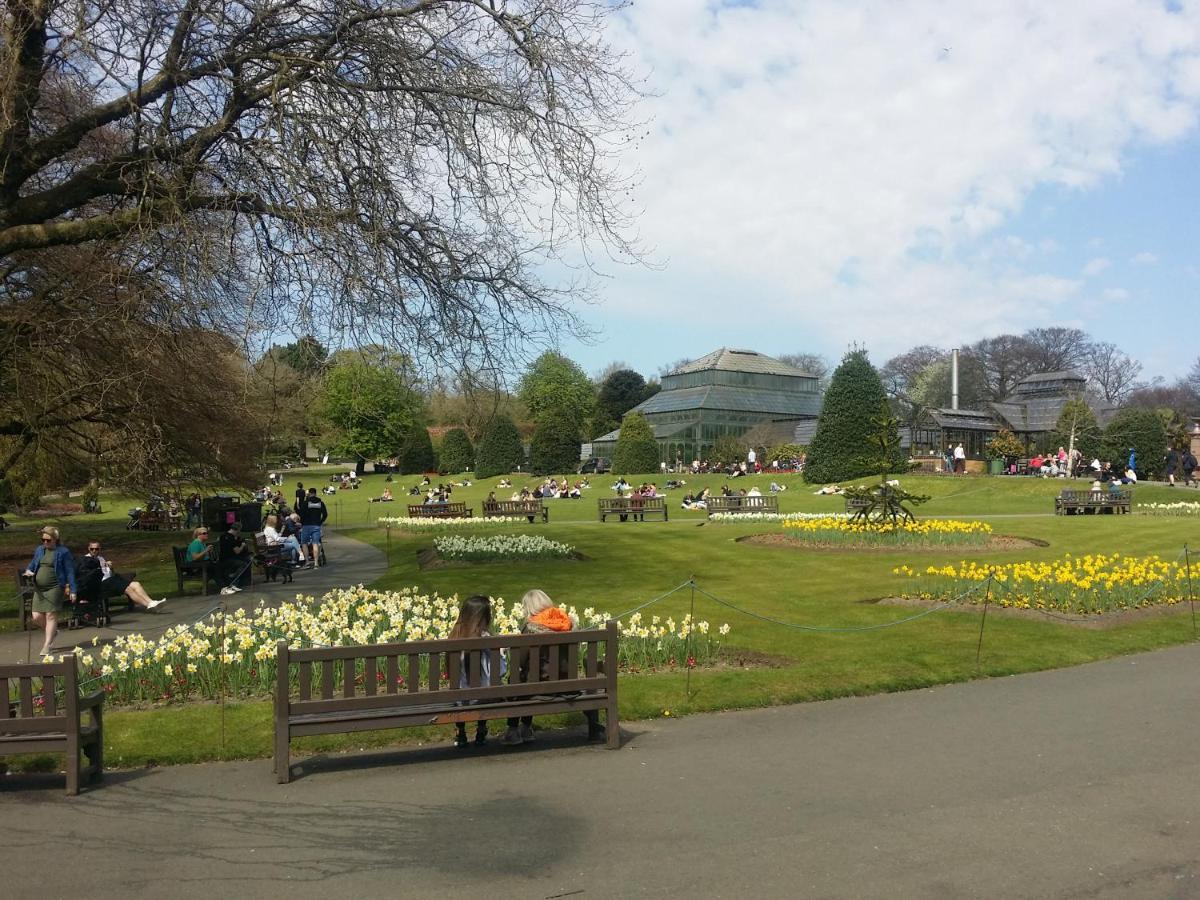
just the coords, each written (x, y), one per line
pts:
(960, 459)
(273, 537)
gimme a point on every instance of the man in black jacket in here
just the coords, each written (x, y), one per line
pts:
(233, 558)
(313, 514)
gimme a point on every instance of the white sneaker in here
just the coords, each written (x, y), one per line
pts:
(233, 589)
(154, 604)
(226, 591)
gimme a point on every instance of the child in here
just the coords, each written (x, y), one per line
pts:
(474, 620)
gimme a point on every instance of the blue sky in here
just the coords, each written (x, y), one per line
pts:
(818, 173)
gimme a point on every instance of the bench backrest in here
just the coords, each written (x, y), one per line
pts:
(738, 502)
(523, 506)
(632, 502)
(436, 509)
(416, 673)
(1101, 496)
(30, 703)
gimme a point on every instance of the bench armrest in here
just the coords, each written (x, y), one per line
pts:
(91, 700)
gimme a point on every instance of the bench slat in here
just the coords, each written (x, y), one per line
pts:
(36, 724)
(348, 673)
(435, 672)
(327, 679)
(592, 665)
(454, 669)
(414, 673)
(440, 645)
(369, 679)
(49, 701)
(4, 701)
(305, 680)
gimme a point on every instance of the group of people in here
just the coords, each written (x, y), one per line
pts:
(541, 616)
(297, 532)
(58, 579)
(549, 489)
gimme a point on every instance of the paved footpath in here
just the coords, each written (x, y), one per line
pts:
(350, 562)
(1076, 783)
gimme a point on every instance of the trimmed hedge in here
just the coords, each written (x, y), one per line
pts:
(457, 454)
(1141, 429)
(555, 447)
(418, 454)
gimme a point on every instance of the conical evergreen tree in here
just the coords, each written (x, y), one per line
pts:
(847, 443)
(499, 450)
(637, 450)
(457, 454)
(418, 453)
(1139, 430)
(555, 447)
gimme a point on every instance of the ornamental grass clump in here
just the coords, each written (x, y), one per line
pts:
(828, 530)
(501, 547)
(1073, 584)
(234, 656)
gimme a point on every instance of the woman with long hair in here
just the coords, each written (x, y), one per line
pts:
(474, 620)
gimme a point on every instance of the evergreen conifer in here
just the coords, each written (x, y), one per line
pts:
(499, 451)
(457, 454)
(637, 450)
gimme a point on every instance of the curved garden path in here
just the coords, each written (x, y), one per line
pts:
(350, 562)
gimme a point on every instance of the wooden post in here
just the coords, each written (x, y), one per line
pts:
(612, 719)
(282, 686)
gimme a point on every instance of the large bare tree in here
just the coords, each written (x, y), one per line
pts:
(397, 170)
(366, 171)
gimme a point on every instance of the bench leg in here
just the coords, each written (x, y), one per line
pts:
(73, 761)
(283, 765)
(612, 725)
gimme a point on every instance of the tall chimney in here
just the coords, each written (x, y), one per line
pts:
(954, 378)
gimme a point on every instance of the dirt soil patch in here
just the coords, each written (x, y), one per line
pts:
(1097, 621)
(996, 543)
(728, 658)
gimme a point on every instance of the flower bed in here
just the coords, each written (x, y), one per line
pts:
(1182, 508)
(829, 530)
(236, 657)
(774, 517)
(433, 524)
(1073, 584)
(501, 547)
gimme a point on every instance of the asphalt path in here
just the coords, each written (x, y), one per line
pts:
(350, 562)
(1075, 783)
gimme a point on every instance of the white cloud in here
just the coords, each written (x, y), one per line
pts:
(1114, 295)
(830, 164)
(1145, 258)
(1095, 266)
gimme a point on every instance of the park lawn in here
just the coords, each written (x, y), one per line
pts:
(628, 564)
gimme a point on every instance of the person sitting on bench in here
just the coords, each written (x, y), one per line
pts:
(233, 557)
(111, 583)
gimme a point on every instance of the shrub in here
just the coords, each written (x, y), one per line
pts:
(847, 442)
(1005, 445)
(499, 451)
(90, 497)
(1142, 430)
(457, 454)
(637, 450)
(785, 454)
(555, 447)
(418, 453)
(728, 450)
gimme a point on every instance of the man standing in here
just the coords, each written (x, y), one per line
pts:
(300, 495)
(313, 514)
(960, 459)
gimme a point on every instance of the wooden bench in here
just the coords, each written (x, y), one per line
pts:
(39, 721)
(318, 691)
(1070, 503)
(203, 569)
(854, 505)
(530, 509)
(637, 507)
(736, 504)
(441, 511)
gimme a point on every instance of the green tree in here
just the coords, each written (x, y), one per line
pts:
(556, 388)
(368, 408)
(637, 450)
(847, 441)
(457, 454)
(499, 451)
(1140, 430)
(418, 455)
(728, 450)
(620, 392)
(555, 448)
(1077, 418)
(306, 355)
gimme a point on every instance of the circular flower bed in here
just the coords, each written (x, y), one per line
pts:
(831, 531)
(501, 547)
